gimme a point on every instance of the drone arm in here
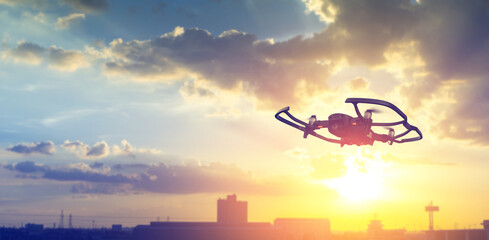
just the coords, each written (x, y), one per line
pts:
(386, 138)
(322, 124)
(286, 111)
(410, 128)
(325, 138)
(381, 137)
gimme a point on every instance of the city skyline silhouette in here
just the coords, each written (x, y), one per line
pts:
(124, 112)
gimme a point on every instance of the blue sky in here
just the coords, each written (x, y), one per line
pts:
(105, 101)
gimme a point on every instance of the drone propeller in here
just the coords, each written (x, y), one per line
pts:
(373, 110)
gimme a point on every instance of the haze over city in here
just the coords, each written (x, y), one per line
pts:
(139, 110)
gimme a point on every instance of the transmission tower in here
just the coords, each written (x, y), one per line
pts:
(61, 220)
(430, 209)
(70, 225)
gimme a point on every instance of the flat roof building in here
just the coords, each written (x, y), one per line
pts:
(303, 228)
(232, 211)
(232, 223)
(461, 234)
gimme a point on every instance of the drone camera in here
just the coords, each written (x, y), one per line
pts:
(367, 114)
(391, 133)
(312, 119)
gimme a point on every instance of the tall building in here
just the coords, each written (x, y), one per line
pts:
(232, 211)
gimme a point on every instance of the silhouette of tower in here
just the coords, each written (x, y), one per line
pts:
(231, 211)
(61, 220)
(70, 225)
(430, 209)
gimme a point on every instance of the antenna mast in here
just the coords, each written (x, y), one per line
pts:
(430, 209)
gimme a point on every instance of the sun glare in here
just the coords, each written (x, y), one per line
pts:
(363, 179)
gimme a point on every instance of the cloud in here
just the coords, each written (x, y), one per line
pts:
(359, 32)
(66, 60)
(233, 60)
(328, 165)
(88, 176)
(124, 149)
(88, 6)
(35, 4)
(358, 84)
(65, 22)
(448, 42)
(26, 52)
(57, 58)
(25, 167)
(46, 147)
(100, 188)
(98, 150)
(161, 178)
(191, 89)
(468, 118)
(414, 160)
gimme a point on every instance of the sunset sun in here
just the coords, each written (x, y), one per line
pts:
(363, 178)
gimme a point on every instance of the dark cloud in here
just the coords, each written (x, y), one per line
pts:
(96, 165)
(88, 6)
(9, 167)
(58, 58)
(47, 148)
(215, 177)
(451, 37)
(79, 175)
(66, 60)
(230, 60)
(97, 150)
(161, 178)
(120, 167)
(29, 167)
(100, 188)
(26, 52)
(361, 32)
(468, 118)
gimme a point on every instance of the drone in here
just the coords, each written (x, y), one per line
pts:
(354, 130)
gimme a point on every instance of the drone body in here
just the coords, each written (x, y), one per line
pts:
(353, 130)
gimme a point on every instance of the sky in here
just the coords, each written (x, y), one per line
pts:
(126, 112)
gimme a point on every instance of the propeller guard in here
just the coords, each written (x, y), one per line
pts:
(308, 129)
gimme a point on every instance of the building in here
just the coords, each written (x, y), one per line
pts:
(461, 234)
(204, 231)
(232, 211)
(232, 223)
(303, 228)
(376, 231)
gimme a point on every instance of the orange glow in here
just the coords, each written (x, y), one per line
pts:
(363, 179)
